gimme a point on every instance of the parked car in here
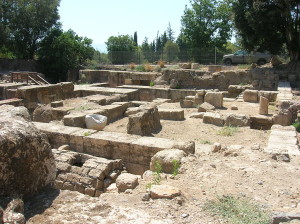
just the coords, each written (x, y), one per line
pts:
(243, 57)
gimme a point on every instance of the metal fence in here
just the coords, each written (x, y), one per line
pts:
(203, 56)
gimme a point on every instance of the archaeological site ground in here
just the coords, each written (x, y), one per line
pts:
(121, 146)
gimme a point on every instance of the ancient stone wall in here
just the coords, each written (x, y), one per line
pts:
(19, 65)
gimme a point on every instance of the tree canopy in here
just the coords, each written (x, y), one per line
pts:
(61, 51)
(24, 23)
(207, 24)
(269, 25)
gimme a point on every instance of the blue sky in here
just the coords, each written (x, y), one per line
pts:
(100, 19)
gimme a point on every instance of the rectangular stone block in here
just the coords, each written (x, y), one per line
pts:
(250, 96)
(213, 118)
(171, 114)
(214, 98)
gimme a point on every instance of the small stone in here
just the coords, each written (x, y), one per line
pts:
(281, 157)
(164, 191)
(255, 147)
(213, 165)
(234, 107)
(146, 196)
(128, 191)
(184, 215)
(216, 147)
(126, 181)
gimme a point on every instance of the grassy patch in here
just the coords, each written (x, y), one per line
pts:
(205, 142)
(245, 66)
(297, 126)
(237, 210)
(228, 131)
(176, 166)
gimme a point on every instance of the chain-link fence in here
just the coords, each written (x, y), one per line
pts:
(202, 56)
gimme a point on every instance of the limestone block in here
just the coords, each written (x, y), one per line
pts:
(55, 104)
(213, 118)
(171, 114)
(164, 191)
(144, 123)
(75, 120)
(126, 181)
(261, 122)
(250, 96)
(174, 84)
(197, 115)
(186, 103)
(270, 95)
(205, 107)
(165, 158)
(132, 110)
(185, 65)
(263, 105)
(237, 120)
(283, 118)
(214, 98)
(95, 121)
(195, 66)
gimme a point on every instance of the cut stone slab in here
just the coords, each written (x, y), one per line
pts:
(126, 181)
(261, 122)
(237, 120)
(213, 118)
(186, 103)
(75, 120)
(55, 104)
(205, 107)
(171, 114)
(250, 96)
(197, 115)
(263, 105)
(164, 191)
(214, 98)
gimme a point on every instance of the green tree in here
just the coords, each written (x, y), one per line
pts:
(61, 51)
(26, 23)
(170, 33)
(121, 49)
(171, 51)
(269, 25)
(146, 50)
(207, 24)
(135, 39)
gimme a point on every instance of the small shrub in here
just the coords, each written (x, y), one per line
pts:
(176, 166)
(140, 68)
(297, 126)
(161, 63)
(237, 210)
(148, 67)
(132, 66)
(228, 131)
(152, 83)
(148, 186)
(206, 142)
(157, 172)
(87, 133)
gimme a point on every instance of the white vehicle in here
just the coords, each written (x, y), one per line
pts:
(243, 57)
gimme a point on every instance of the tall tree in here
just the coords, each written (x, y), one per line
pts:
(206, 24)
(27, 23)
(171, 51)
(135, 39)
(61, 51)
(121, 49)
(269, 24)
(170, 33)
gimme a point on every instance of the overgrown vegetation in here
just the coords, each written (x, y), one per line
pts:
(205, 142)
(237, 210)
(297, 126)
(176, 166)
(157, 172)
(228, 131)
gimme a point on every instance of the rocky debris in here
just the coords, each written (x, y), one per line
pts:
(205, 107)
(126, 181)
(185, 65)
(255, 146)
(283, 118)
(171, 114)
(235, 90)
(261, 122)
(174, 84)
(214, 98)
(197, 115)
(132, 110)
(250, 96)
(270, 95)
(263, 105)
(164, 191)
(14, 212)
(199, 97)
(55, 104)
(216, 147)
(234, 107)
(95, 121)
(145, 122)
(281, 157)
(27, 162)
(186, 103)
(43, 113)
(213, 118)
(237, 120)
(287, 114)
(280, 217)
(11, 111)
(85, 173)
(166, 159)
(195, 66)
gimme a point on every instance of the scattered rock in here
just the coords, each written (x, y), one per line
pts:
(95, 121)
(237, 120)
(281, 157)
(214, 98)
(234, 107)
(255, 146)
(11, 111)
(126, 181)
(197, 115)
(14, 212)
(250, 96)
(164, 191)
(204, 107)
(174, 84)
(165, 158)
(146, 196)
(216, 147)
(213, 118)
(186, 103)
(280, 217)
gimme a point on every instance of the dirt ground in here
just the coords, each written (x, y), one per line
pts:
(244, 172)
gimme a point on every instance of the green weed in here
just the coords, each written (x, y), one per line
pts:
(228, 131)
(151, 83)
(297, 126)
(157, 172)
(206, 142)
(176, 166)
(237, 210)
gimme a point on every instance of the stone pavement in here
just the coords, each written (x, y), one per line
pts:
(283, 140)
(285, 91)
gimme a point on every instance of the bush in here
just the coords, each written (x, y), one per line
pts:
(140, 68)
(237, 210)
(161, 64)
(152, 83)
(132, 66)
(297, 126)
(228, 131)
(148, 67)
